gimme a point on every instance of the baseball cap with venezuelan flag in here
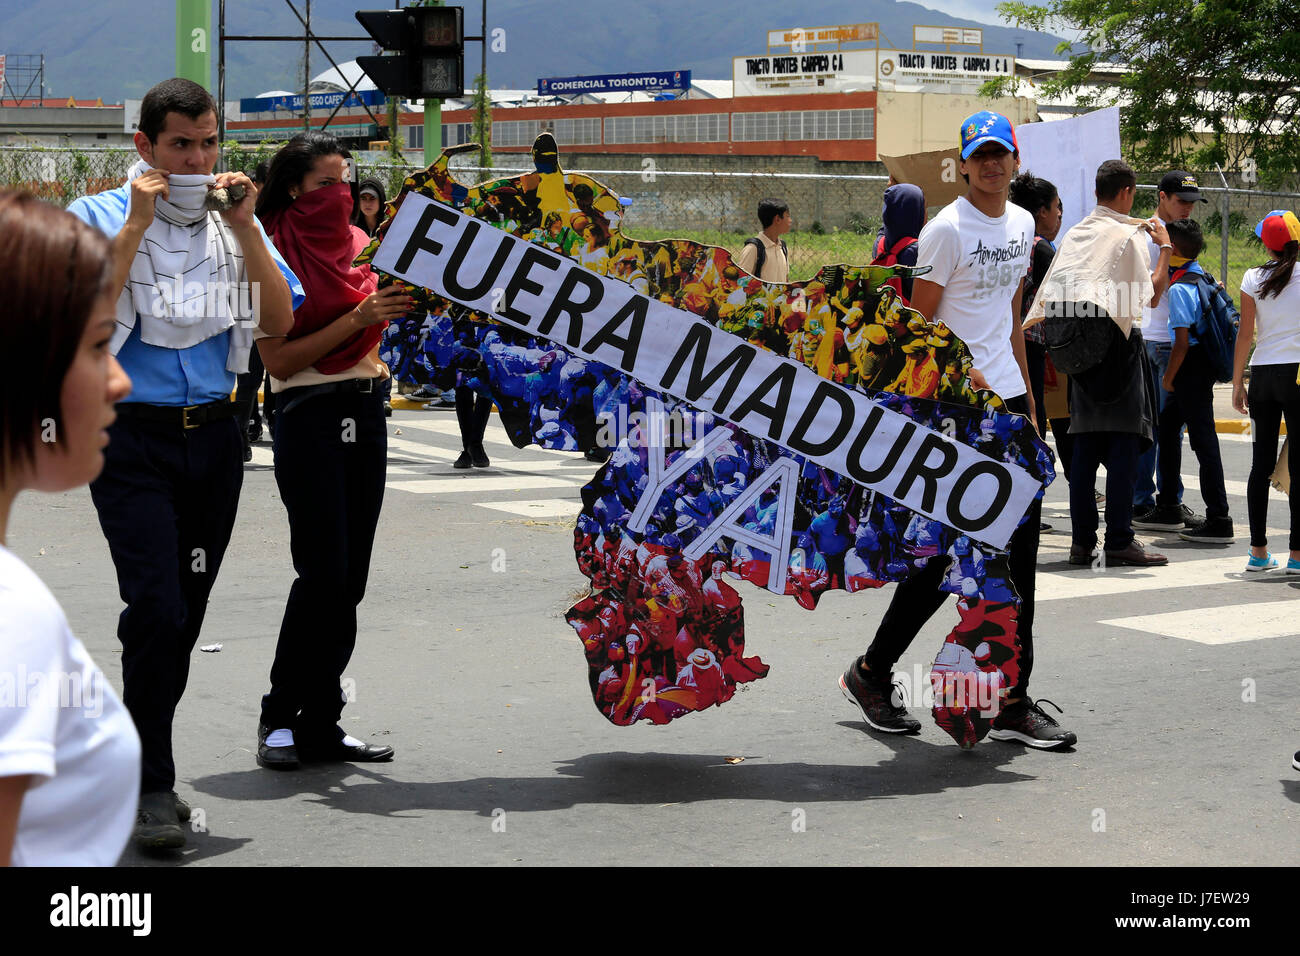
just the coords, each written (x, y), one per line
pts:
(987, 127)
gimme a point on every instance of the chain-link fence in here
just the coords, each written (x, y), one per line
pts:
(835, 217)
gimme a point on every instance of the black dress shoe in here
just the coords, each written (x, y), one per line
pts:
(274, 758)
(338, 750)
(464, 461)
(1081, 555)
(479, 457)
(157, 826)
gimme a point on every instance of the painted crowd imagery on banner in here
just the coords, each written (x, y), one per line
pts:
(804, 437)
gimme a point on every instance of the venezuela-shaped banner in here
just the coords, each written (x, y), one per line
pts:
(803, 437)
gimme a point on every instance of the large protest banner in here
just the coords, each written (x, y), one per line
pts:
(806, 437)
(438, 248)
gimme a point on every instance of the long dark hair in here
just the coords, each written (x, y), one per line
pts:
(1279, 270)
(56, 267)
(288, 167)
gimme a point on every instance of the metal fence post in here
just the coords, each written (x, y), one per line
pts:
(1225, 209)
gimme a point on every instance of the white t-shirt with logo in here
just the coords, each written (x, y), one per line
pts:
(1155, 320)
(1277, 319)
(62, 723)
(980, 261)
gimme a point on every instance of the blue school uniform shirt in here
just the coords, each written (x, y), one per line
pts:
(1185, 305)
(163, 376)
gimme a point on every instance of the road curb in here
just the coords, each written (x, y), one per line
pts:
(1237, 426)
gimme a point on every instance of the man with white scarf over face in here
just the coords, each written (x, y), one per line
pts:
(184, 278)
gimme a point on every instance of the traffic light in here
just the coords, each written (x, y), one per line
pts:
(428, 44)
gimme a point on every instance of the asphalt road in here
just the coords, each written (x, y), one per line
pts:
(1180, 683)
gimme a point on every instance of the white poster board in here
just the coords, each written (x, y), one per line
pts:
(1067, 153)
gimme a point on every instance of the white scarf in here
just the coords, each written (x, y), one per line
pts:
(186, 274)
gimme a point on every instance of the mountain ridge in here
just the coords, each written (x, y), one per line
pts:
(119, 48)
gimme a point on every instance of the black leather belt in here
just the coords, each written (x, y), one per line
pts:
(185, 417)
(290, 398)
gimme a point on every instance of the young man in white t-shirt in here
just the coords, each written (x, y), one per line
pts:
(978, 251)
(1178, 196)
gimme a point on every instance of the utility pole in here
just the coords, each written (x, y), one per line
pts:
(432, 117)
(306, 72)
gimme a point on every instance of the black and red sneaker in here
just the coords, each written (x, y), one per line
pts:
(1027, 723)
(879, 701)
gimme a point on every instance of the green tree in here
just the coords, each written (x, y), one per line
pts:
(483, 119)
(1228, 70)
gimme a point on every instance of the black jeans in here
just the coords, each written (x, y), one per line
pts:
(330, 460)
(166, 500)
(472, 413)
(1192, 404)
(917, 599)
(1064, 445)
(1118, 451)
(1273, 394)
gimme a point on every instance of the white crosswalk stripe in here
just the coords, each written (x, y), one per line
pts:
(420, 460)
(1219, 625)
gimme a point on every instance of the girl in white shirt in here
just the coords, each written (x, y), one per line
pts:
(69, 753)
(1270, 302)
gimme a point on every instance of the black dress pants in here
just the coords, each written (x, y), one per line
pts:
(166, 501)
(330, 462)
(1118, 451)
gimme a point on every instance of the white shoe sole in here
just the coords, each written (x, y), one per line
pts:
(1196, 539)
(1256, 569)
(844, 687)
(1015, 736)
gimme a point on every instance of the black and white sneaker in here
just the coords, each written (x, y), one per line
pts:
(1190, 518)
(1161, 518)
(1210, 531)
(425, 393)
(1027, 723)
(1295, 761)
(881, 704)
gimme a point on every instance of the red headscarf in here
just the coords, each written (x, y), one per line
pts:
(316, 240)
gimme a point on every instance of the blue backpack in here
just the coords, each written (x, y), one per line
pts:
(1217, 329)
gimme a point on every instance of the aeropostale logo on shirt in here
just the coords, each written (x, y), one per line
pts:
(983, 255)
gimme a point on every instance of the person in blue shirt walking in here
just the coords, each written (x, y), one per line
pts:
(1189, 383)
(192, 284)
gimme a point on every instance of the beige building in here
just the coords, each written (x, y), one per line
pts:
(908, 123)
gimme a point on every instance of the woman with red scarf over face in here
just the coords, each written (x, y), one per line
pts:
(331, 447)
